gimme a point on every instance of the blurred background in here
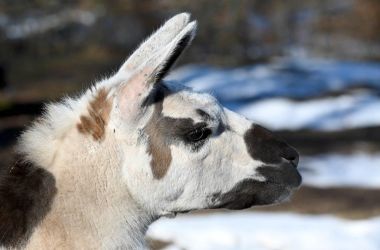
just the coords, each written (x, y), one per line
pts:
(309, 70)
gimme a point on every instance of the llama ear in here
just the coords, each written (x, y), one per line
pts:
(134, 90)
(156, 41)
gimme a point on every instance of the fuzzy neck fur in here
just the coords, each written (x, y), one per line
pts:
(92, 208)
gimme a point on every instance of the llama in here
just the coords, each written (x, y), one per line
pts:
(95, 171)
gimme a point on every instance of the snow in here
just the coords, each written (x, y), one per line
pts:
(265, 93)
(334, 170)
(264, 231)
(344, 112)
(286, 78)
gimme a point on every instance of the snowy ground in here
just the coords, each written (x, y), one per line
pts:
(333, 170)
(267, 231)
(295, 94)
(347, 111)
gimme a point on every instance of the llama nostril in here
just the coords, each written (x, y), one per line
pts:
(291, 155)
(295, 161)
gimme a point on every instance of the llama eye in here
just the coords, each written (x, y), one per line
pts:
(198, 134)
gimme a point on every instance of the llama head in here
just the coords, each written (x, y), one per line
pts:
(183, 150)
(178, 149)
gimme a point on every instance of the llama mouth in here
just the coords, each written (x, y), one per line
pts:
(183, 211)
(284, 175)
(250, 192)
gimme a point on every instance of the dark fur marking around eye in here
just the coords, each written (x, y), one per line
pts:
(177, 129)
(26, 196)
(164, 131)
(204, 114)
(207, 117)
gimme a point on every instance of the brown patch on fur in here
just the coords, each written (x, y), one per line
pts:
(160, 152)
(158, 147)
(164, 131)
(98, 115)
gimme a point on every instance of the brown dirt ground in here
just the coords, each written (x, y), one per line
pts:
(345, 202)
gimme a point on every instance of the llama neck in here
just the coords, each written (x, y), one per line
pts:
(93, 208)
(122, 227)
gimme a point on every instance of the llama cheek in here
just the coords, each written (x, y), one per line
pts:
(137, 166)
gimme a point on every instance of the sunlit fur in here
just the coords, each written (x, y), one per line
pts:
(107, 194)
